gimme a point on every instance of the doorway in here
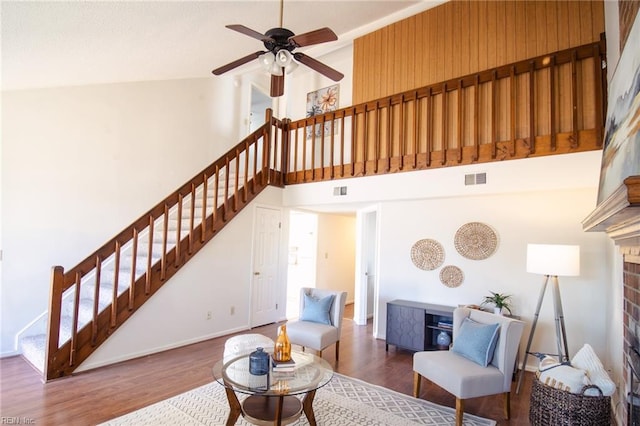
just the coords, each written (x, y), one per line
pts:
(366, 291)
(301, 269)
(260, 101)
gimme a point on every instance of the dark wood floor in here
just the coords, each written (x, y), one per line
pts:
(95, 396)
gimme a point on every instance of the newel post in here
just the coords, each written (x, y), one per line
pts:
(285, 154)
(55, 309)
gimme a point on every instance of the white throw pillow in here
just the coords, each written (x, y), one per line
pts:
(561, 376)
(586, 359)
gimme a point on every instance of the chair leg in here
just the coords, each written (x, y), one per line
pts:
(417, 378)
(507, 405)
(337, 349)
(459, 411)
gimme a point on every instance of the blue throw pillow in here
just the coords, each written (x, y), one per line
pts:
(476, 341)
(317, 310)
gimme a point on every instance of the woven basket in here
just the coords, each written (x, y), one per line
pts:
(555, 407)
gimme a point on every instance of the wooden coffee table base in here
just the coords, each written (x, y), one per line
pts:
(270, 410)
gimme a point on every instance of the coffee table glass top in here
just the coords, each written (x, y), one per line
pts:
(309, 373)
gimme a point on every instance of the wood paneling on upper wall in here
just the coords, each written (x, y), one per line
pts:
(466, 36)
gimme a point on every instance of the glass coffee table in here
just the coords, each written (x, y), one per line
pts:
(276, 398)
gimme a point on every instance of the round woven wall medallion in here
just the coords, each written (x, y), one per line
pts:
(451, 276)
(427, 254)
(476, 241)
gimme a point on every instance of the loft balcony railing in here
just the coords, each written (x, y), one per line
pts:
(552, 104)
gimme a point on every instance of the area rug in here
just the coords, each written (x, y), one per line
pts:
(344, 401)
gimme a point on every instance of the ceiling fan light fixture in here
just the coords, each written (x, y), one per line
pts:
(266, 60)
(283, 57)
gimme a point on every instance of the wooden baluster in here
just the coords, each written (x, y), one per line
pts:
(179, 231)
(429, 123)
(574, 101)
(445, 142)
(552, 103)
(342, 144)
(376, 138)
(416, 128)
(332, 144)
(296, 153)
(225, 204)
(532, 107)
(74, 327)
(216, 179)
(354, 153)
(96, 301)
(401, 124)
(322, 136)
(116, 277)
(203, 222)
(192, 217)
(365, 140)
(460, 121)
(255, 164)
(236, 181)
(476, 119)
(389, 134)
(313, 150)
(134, 260)
(55, 303)
(494, 116)
(600, 83)
(304, 152)
(245, 177)
(165, 234)
(147, 286)
(512, 103)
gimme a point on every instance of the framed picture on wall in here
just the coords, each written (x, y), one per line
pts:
(621, 154)
(320, 102)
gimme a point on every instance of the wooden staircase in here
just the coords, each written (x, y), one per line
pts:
(91, 300)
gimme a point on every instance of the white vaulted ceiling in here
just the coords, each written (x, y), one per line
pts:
(63, 43)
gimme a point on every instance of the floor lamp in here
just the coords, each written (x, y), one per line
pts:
(551, 261)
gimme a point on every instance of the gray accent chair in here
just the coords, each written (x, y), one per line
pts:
(315, 335)
(464, 378)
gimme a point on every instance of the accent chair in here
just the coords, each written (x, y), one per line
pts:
(480, 362)
(320, 321)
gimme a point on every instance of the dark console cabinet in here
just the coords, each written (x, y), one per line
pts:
(415, 326)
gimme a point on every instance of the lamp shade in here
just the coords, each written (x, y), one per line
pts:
(553, 259)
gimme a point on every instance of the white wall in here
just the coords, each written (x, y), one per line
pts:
(336, 254)
(538, 200)
(81, 163)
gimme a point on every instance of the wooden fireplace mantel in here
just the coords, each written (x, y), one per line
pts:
(619, 216)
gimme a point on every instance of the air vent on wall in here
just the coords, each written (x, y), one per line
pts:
(339, 190)
(475, 178)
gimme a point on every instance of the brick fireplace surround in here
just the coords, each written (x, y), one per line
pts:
(619, 217)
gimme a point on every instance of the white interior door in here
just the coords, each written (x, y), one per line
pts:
(266, 258)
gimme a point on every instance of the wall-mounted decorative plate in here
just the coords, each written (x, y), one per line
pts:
(451, 276)
(476, 241)
(427, 254)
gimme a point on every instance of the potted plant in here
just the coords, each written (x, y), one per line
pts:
(500, 302)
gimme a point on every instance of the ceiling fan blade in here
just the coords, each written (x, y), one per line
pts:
(321, 35)
(237, 63)
(248, 31)
(277, 85)
(318, 66)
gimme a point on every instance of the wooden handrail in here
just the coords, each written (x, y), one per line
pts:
(547, 105)
(182, 233)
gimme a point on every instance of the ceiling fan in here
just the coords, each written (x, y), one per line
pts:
(280, 56)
